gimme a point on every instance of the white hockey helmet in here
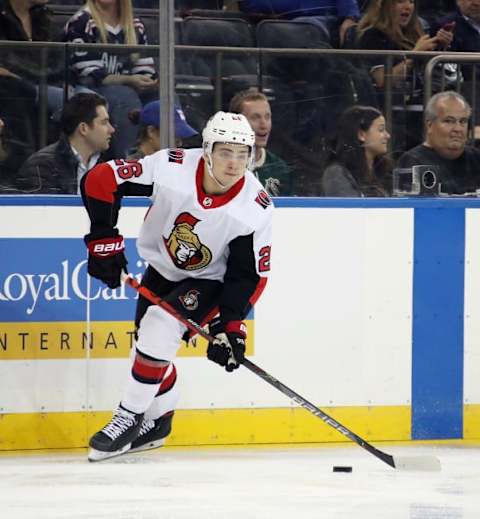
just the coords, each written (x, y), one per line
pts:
(228, 127)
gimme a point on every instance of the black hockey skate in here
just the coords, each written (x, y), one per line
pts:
(153, 433)
(116, 437)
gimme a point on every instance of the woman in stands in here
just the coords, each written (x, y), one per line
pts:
(395, 25)
(359, 165)
(126, 80)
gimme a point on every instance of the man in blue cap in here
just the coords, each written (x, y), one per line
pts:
(148, 119)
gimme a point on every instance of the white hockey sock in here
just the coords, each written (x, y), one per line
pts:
(138, 396)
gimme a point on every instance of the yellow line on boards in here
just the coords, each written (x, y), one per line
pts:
(212, 427)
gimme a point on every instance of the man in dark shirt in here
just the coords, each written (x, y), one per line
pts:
(465, 26)
(59, 167)
(447, 115)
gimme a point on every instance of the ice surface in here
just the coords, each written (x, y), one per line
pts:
(247, 483)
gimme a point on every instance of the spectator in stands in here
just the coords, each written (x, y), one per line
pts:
(9, 162)
(346, 12)
(21, 71)
(394, 25)
(271, 170)
(27, 20)
(148, 119)
(465, 26)
(24, 20)
(447, 116)
(359, 165)
(125, 80)
(86, 133)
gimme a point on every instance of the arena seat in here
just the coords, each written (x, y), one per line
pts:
(232, 72)
(316, 88)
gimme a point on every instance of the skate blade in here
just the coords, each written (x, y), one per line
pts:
(95, 455)
(149, 446)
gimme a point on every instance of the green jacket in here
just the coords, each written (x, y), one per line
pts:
(275, 175)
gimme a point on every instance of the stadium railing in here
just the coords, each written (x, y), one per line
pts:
(308, 89)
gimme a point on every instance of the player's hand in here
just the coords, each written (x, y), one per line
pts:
(228, 348)
(106, 259)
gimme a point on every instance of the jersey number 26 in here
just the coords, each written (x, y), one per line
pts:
(128, 168)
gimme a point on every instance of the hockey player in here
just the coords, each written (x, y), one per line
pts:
(206, 239)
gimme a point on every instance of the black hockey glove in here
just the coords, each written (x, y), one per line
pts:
(106, 259)
(228, 348)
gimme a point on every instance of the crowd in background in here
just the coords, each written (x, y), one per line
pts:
(319, 122)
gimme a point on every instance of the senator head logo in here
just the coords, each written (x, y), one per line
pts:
(184, 246)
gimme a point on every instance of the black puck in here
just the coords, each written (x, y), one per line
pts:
(342, 469)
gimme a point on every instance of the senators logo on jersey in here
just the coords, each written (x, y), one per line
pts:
(184, 246)
(176, 156)
(263, 199)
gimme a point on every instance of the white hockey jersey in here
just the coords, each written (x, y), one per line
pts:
(186, 232)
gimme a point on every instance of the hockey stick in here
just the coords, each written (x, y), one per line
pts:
(418, 463)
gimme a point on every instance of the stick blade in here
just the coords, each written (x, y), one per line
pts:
(417, 463)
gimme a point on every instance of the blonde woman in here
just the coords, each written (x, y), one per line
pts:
(126, 80)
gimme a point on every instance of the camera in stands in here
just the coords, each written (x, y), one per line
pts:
(421, 180)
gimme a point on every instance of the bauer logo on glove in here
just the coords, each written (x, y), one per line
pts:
(106, 260)
(107, 247)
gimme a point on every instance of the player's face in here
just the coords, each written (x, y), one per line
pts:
(375, 139)
(259, 116)
(229, 162)
(99, 133)
(447, 133)
(470, 8)
(402, 11)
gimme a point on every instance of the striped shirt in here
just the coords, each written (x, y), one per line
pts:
(92, 66)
